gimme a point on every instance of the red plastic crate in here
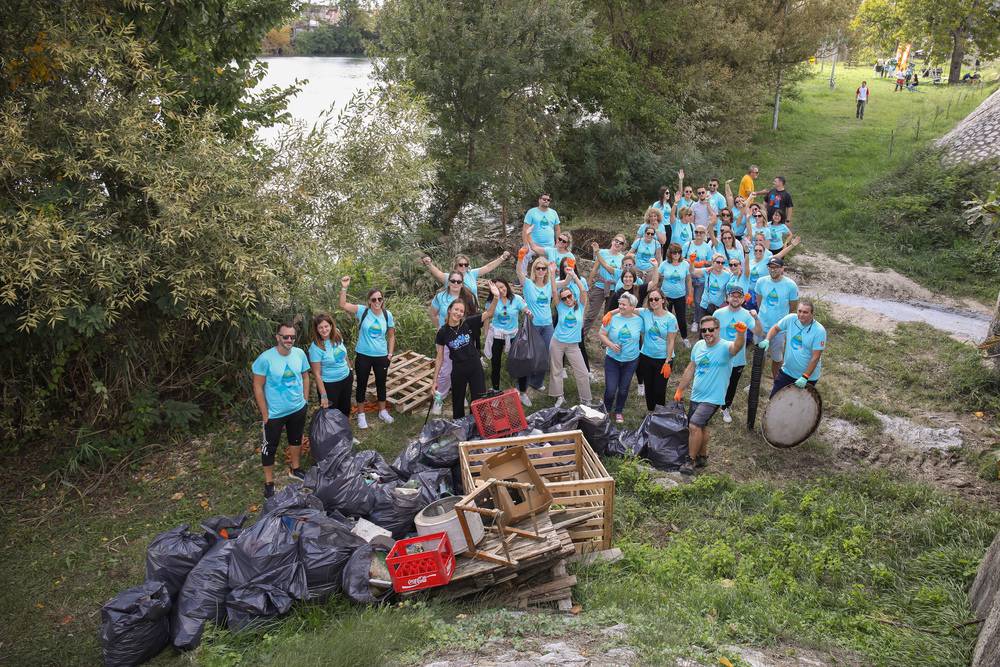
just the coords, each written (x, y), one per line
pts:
(499, 416)
(423, 569)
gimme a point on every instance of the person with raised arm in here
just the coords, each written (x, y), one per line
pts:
(728, 317)
(567, 339)
(621, 335)
(607, 262)
(374, 349)
(455, 335)
(538, 290)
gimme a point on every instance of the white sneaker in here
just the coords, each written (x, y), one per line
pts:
(564, 374)
(525, 401)
(687, 343)
(642, 390)
(436, 408)
(559, 402)
(541, 389)
(385, 416)
(726, 417)
(362, 420)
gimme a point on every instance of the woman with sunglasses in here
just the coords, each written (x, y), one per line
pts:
(538, 291)
(562, 250)
(462, 264)
(779, 230)
(455, 336)
(579, 287)
(656, 355)
(663, 205)
(607, 261)
(675, 284)
(374, 349)
(716, 277)
(699, 253)
(652, 220)
(455, 289)
(738, 212)
(621, 336)
(755, 264)
(682, 226)
(330, 366)
(728, 245)
(759, 224)
(502, 328)
(647, 248)
(567, 340)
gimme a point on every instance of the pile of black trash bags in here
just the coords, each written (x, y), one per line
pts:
(302, 547)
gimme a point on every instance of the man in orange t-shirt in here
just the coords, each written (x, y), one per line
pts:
(747, 186)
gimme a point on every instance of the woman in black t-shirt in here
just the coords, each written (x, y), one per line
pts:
(457, 336)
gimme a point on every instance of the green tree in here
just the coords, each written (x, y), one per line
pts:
(493, 76)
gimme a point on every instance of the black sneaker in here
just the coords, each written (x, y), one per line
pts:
(687, 468)
(297, 473)
(701, 461)
(268, 491)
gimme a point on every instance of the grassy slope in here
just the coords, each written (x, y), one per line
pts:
(777, 548)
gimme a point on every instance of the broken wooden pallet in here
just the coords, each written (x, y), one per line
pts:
(409, 383)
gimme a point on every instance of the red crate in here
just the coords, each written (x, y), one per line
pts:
(500, 415)
(423, 569)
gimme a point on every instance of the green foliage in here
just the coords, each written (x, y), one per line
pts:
(350, 36)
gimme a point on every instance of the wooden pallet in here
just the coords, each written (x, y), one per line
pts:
(410, 382)
(579, 482)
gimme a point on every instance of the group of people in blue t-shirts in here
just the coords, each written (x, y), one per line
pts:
(715, 258)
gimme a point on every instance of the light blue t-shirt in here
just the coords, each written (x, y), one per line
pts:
(740, 279)
(662, 208)
(674, 278)
(283, 380)
(713, 366)
(714, 293)
(645, 252)
(553, 255)
(759, 269)
(681, 233)
(660, 229)
(739, 222)
(703, 253)
(736, 252)
(543, 226)
(570, 324)
(765, 231)
(332, 360)
(727, 326)
(539, 300)
(778, 234)
(372, 333)
(470, 279)
(604, 277)
(441, 301)
(685, 202)
(800, 343)
(718, 200)
(626, 332)
(505, 315)
(773, 298)
(657, 328)
(571, 286)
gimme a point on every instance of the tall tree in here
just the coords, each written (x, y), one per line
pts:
(492, 75)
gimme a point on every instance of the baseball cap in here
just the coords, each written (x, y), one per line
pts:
(775, 261)
(734, 289)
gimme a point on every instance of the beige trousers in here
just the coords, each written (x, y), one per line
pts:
(572, 352)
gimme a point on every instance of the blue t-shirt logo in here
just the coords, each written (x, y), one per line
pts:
(712, 287)
(542, 298)
(796, 342)
(571, 318)
(675, 276)
(339, 354)
(731, 330)
(655, 331)
(375, 328)
(288, 377)
(703, 364)
(624, 334)
(772, 298)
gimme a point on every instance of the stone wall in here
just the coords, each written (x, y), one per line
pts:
(977, 137)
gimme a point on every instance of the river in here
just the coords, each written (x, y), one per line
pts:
(330, 81)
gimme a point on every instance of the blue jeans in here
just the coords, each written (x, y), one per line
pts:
(617, 378)
(538, 379)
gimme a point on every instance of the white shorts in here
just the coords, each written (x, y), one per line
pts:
(777, 347)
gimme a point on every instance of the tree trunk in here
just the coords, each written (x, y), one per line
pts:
(777, 99)
(958, 38)
(994, 350)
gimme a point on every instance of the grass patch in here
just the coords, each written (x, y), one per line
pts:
(859, 414)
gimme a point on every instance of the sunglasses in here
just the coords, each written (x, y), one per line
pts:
(454, 282)
(618, 241)
(674, 252)
(650, 232)
(734, 265)
(545, 199)
(376, 299)
(292, 337)
(701, 192)
(568, 297)
(699, 232)
(687, 192)
(718, 261)
(563, 240)
(707, 329)
(654, 299)
(462, 264)
(541, 268)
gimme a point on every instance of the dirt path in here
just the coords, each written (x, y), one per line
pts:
(878, 300)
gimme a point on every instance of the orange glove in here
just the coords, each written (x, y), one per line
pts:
(521, 253)
(690, 300)
(740, 327)
(570, 263)
(678, 395)
(747, 298)
(692, 257)
(665, 371)
(606, 320)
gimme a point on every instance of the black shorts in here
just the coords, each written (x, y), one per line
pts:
(699, 414)
(294, 424)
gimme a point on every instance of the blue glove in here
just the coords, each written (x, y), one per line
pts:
(801, 382)
(764, 344)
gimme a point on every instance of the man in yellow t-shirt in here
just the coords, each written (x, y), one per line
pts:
(746, 183)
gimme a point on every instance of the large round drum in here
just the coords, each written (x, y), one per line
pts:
(791, 416)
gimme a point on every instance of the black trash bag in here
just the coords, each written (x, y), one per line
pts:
(528, 354)
(349, 487)
(329, 432)
(293, 496)
(397, 504)
(457, 429)
(135, 624)
(268, 595)
(223, 527)
(172, 554)
(269, 545)
(597, 428)
(666, 430)
(628, 443)
(203, 597)
(408, 461)
(553, 420)
(355, 580)
(325, 545)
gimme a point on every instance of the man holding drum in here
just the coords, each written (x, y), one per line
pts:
(805, 340)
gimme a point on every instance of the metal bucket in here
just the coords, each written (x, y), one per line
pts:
(440, 516)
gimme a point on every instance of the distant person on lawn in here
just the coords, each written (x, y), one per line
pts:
(804, 342)
(861, 96)
(779, 199)
(281, 391)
